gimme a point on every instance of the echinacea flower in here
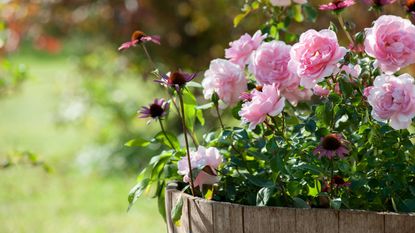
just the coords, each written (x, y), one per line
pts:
(176, 79)
(207, 160)
(330, 146)
(337, 5)
(379, 3)
(156, 110)
(139, 37)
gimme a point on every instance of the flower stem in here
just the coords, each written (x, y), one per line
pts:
(180, 116)
(341, 21)
(187, 142)
(331, 176)
(165, 134)
(148, 56)
(219, 117)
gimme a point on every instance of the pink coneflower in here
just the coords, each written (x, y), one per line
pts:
(156, 110)
(176, 79)
(139, 37)
(330, 146)
(337, 5)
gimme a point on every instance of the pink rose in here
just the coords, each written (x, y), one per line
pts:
(226, 79)
(269, 64)
(241, 49)
(393, 98)
(269, 101)
(315, 56)
(391, 41)
(286, 2)
(206, 159)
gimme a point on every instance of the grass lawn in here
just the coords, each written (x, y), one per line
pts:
(66, 200)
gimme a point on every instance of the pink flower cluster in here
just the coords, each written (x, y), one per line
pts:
(269, 101)
(393, 98)
(206, 159)
(391, 41)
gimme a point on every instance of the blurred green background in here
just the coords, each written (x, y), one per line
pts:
(68, 102)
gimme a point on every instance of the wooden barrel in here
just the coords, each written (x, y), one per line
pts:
(203, 216)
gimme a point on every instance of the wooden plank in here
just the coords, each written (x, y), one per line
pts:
(184, 226)
(360, 222)
(269, 220)
(168, 205)
(316, 221)
(227, 218)
(201, 217)
(395, 223)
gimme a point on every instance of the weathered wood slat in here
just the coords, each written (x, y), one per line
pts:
(268, 219)
(360, 222)
(168, 205)
(184, 221)
(227, 218)
(395, 223)
(201, 215)
(316, 221)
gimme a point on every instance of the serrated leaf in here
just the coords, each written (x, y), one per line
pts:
(137, 142)
(298, 15)
(136, 192)
(176, 211)
(336, 203)
(168, 139)
(300, 203)
(263, 196)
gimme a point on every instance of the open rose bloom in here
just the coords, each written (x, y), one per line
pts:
(206, 159)
(393, 99)
(391, 41)
(315, 56)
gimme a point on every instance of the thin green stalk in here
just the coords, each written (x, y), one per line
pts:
(340, 18)
(219, 117)
(148, 56)
(187, 142)
(165, 134)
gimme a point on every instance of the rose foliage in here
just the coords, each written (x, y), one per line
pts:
(317, 122)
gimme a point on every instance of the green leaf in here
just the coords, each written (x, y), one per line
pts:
(409, 204)
(263, 196)
(176, 211)
(260, 182)
(333, 27)
(323, 113)
(164, 139)
(161, 205)
(137, 142)
(238, 19)
(294, 188)
(314, 191)
(136, 192)
(336, 203)
(205, 106)
(310, 12)
(190, 104)
(345, 87)
(298, 16)
(199, 116)
(300, 203)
